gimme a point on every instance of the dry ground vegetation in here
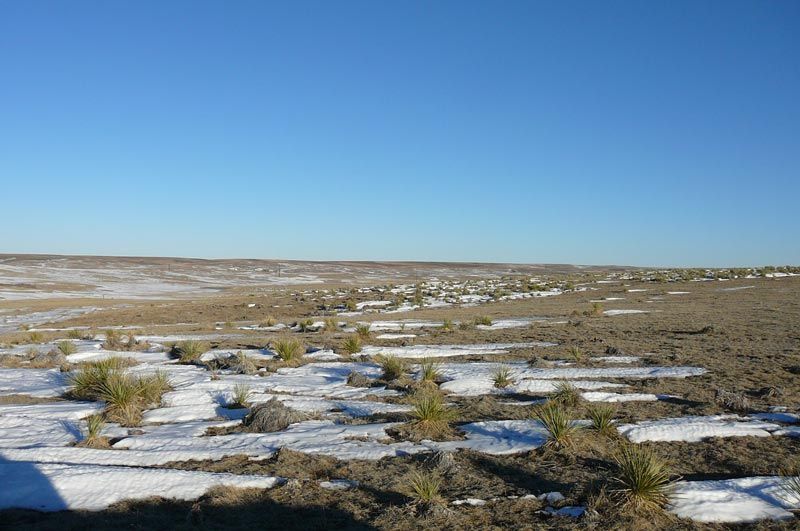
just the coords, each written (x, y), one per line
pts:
(747, 339)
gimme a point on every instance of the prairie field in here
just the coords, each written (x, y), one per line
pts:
(182, 394)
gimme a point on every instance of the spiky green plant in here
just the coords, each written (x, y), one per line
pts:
(67, 347)
(190, 350)
(602, 417)
(74, 334)
(431, 415)
(122, 395)
(331, 324)
(447, 325)
(429, 370)
(288, 349)
(565, 393)
(642, 478)
(502, 377)
(363, 330)
(352, 345)
(561, 429)
(241, 396)
(87, 381)
(425, 488)
(392, 366)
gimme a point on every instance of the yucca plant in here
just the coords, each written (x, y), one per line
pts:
(577, 354)
(288, 349)
(305, 325)
(791, 486)
(597, 309)
(363, 330)
(35, 337)
(643, 479)
(152, 387)
(565, 393)
(241, 396)
(74, 334)
(429, 370)
(425, 488)
(352, 345)
(431, 415)
(483, 320)
(122, 395)
(502, 377)
(602, 417)
(447, 325)
(87, 381)
(561, 429)
(331, 324)
(94, 428)
(190, 350)
(112, 340)
(67, 347)
(268, 321)
(393, 367)
(350, 305)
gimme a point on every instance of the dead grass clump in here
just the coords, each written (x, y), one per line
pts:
(483, 320)
(306, 325)
(595, 311)
(447, 325)
(239, 363)
(577, 354)
(732, 401)
(268, 322)
(36, 337)
(642, 480)
(113, 340)
(357, 379)
(272, 416)
(331, 324)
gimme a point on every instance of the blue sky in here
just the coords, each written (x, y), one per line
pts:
(643, 133)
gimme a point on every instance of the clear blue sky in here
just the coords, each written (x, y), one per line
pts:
(644, 133)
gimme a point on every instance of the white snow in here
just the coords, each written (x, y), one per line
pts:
(734, 500)
(443, 351)
(622, 312)
(694, 429)
(54, 487)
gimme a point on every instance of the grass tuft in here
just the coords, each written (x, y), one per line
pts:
(352, 345)
(393, 367)
(331, 324)
(561, 429)
(430, 370)
(241, 396)
(565, 393)
(288, 349)
(602, 417)
(67, 347)
(272, 416)
(431, 415)
(190, 351)
(483, 320)
(502, 377)
(425, 488)
(94, 428)
(363, 330)
(643, 479)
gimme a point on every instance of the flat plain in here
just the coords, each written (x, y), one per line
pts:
(297, 395)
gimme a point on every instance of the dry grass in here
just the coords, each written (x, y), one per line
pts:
(483, 320)
(331, 324)
(272, 416)
(190, 351)
(352, 345)
(363, 331)
(357, 379)
(241, 396)
(565, 393)
(67, 347)
(392, 366)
